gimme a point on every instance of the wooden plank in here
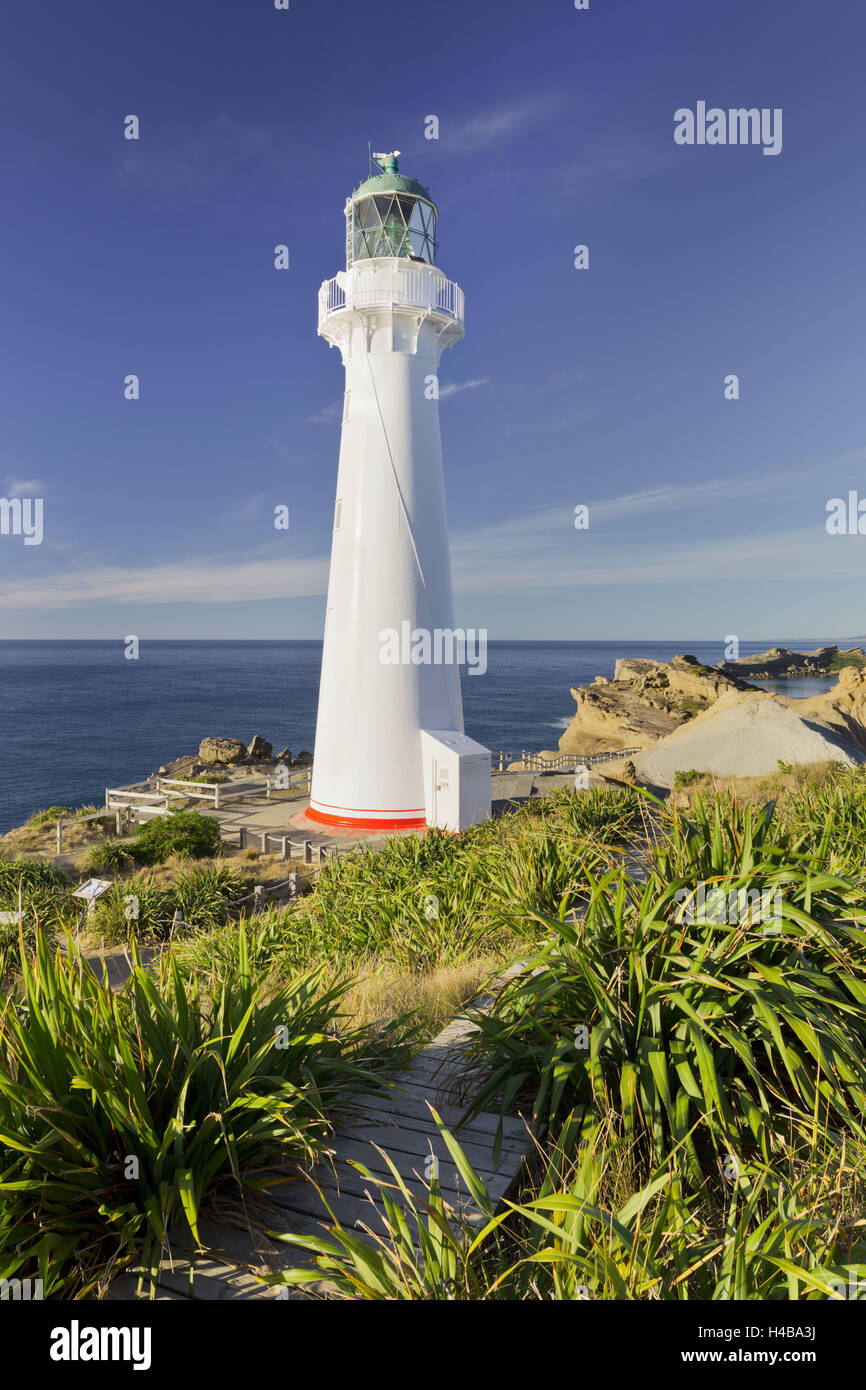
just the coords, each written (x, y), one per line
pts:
(413, 1170)
(400, 1144)
(123, 1289)
(220, 1284)
(400, 1122)
(513, 1143)
(348, 1184)
(409, 1104)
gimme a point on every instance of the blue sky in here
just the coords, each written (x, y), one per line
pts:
(602, 387)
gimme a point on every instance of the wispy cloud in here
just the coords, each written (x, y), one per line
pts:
(610, 155)
(542, 552)
(329, 415)
(536, 551)
(682, 496)
(498, 123)
(454, 387)
(210, 580)
(22, 487)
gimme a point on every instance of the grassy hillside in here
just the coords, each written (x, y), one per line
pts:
(688, 1033)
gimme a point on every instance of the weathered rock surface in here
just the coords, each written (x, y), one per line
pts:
(284, 756)
(745, 735)
(221, 750)
(302, 760)
(842, 709)
(260, 748)
(782, 663)
(644, 702)
(187, 766)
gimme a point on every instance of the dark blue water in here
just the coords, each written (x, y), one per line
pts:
(76, 717)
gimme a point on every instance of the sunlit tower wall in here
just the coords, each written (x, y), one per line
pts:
(379, 762)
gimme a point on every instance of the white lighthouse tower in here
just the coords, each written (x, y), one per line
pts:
(390, 750)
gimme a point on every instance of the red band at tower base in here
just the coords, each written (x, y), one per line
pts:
(346, 818)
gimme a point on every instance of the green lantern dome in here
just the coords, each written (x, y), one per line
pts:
(390, 214)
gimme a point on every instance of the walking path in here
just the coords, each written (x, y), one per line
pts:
(399, 1123)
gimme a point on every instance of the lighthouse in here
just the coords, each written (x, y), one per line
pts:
(390, 749)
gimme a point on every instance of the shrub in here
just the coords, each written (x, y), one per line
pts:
(40, 892)
(180, 832)
(599, 809)
(207, 1083)
(143, 907)
(754, 1028)
(109, 857)
(50, 813)
(687, 778)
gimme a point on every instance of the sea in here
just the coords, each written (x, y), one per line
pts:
(77, 716)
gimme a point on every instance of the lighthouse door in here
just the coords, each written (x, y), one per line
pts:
(440, 784)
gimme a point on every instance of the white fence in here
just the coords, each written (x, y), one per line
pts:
(141, 800)
(289, 846)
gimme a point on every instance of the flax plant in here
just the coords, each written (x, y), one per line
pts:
(122, 1113)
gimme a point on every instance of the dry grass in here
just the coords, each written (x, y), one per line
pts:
(40, 841)
(756, 790)
(386, 992)
(269, 868)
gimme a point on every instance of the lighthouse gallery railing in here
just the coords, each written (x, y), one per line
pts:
(374, 286)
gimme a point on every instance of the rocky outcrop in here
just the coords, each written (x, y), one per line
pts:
(644, 702)
(842, 709)
(260, 748)
(221, 750)
(284, 756)
(188, 766)
(684, 716)
(780, 663)
(304, 759)
(748, 736)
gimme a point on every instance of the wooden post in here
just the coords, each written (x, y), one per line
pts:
(60, 837)
(107, 798)
(216, 796)
(117, 820)
(241, 837)
(258, 897)
(268, 790)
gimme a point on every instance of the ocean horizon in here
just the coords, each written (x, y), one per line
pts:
(78, 717)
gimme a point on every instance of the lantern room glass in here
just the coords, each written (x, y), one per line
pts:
(393, 224)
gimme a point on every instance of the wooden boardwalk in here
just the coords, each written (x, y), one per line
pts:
(398, 1122)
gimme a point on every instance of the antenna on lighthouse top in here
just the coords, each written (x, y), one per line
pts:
(387, 162)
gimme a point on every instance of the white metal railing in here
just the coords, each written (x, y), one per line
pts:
(370, 286)
(332, 295)
(563, 762)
